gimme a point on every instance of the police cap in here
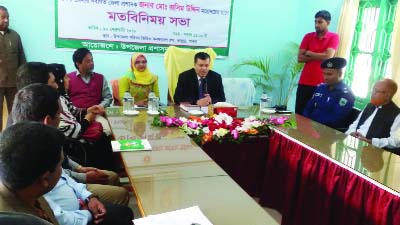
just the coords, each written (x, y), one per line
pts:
(334, 63)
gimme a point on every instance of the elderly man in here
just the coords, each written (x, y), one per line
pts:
(30, 166)
(379, 122)
(87, 88)
(314, 48)
(333, 100)
(199, 85)
(11, 57)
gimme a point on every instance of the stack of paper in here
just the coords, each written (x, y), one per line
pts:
(188, 107)
(188, 216)
(130, 145)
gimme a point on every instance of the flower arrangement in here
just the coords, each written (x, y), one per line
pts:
(222, 127)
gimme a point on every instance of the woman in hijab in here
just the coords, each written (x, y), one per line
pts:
(138, 80)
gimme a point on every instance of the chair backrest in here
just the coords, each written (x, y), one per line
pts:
(350, 119)
(239, 91)
(115, 92)
(178, 60)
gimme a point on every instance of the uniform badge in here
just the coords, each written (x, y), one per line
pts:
(329, 65)
(342, 102)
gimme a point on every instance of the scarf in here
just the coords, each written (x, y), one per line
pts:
(145, 77)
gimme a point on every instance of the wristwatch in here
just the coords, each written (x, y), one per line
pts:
(90, 197)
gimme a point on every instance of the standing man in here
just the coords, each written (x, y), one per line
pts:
(11, 57)
(332, 101)
(199, 85)
(87, 88)
(316, 47)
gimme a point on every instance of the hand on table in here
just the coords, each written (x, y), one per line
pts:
(204, 101)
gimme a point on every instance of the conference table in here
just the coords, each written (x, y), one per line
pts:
(178, 174)
(311, 173)
(317, 175)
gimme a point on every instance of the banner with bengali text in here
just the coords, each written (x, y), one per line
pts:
(143, 26)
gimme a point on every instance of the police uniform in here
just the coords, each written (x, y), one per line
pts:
(331, 107)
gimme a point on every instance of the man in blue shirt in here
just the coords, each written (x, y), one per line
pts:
(332, 101)
(70, 201)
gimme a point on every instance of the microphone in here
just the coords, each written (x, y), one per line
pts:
(205, 90)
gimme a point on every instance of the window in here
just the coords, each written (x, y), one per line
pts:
(369, 59)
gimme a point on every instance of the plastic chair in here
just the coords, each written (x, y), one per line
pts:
(239, 91)
(115, 92)
(178, 60)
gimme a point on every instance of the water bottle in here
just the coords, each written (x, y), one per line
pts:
(263, 101)
(128, 102)
(151, 102)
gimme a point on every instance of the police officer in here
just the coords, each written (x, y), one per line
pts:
(333, 100)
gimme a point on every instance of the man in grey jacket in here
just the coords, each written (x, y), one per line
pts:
(11, 57)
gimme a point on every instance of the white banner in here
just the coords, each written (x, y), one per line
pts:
(196, 23)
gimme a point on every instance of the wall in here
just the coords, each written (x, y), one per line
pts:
(258, 29)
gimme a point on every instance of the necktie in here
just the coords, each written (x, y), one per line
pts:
(201, 88)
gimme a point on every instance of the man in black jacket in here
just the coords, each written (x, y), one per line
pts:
(199, 85)
(379, 123)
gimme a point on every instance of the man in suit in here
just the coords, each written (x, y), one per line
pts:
(332, 101)
(379, 122)
(199, 85)
(30, 166)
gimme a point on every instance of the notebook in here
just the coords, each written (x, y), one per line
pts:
(130, 145)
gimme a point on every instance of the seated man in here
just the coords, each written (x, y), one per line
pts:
(199, 85)
(333, 100)
(30, 166)
(35, 104)
(15, 218)
(70, 201)
(87, 88)
(379, 122)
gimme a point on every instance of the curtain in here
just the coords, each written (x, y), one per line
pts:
(346, 27)
(396, 53)
(310, 189)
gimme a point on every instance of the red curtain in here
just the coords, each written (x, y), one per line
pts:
(310, 189)
(244, 162)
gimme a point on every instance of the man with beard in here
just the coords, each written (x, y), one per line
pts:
(316, 47)
(379, 122)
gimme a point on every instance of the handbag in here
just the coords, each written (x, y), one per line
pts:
(93, 132)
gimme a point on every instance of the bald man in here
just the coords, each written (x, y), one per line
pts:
(379, 123)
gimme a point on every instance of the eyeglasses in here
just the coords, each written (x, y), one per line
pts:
(142, 62)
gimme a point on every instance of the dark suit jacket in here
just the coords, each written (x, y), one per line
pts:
(187, 89)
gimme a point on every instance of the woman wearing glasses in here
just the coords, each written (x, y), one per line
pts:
(138, 80)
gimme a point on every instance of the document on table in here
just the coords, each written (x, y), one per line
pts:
(188, 216)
